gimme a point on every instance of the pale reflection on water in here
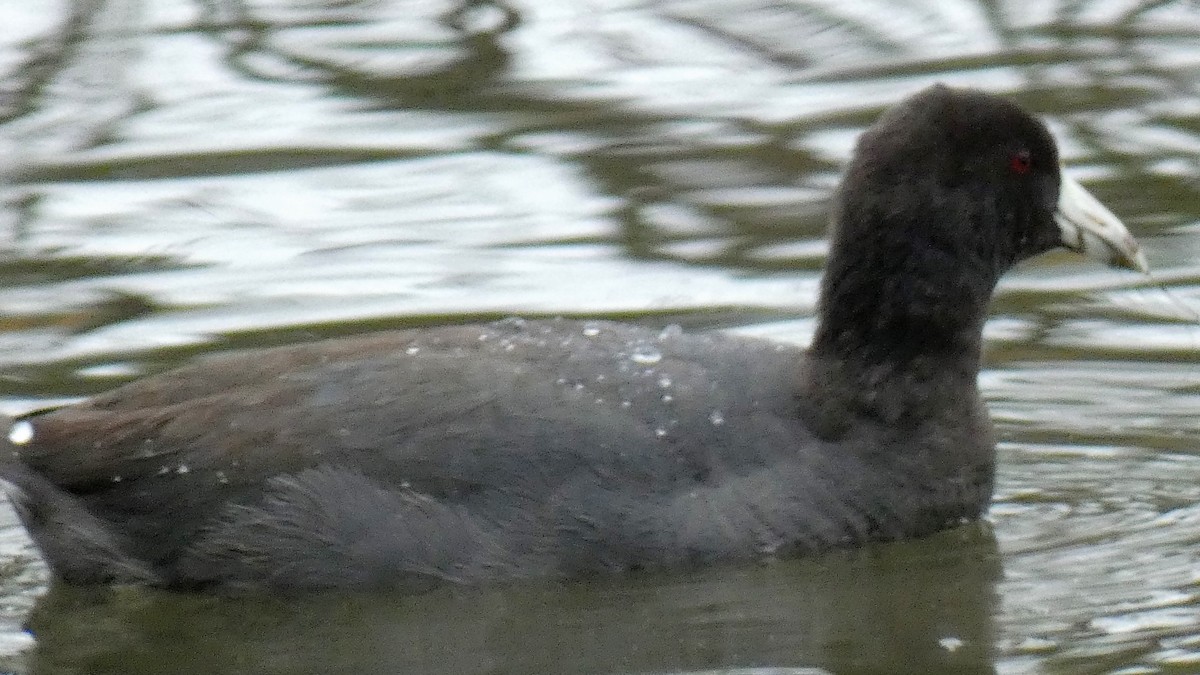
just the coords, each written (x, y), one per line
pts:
(182, 177)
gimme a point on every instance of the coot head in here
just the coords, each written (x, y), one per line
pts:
(946, 192)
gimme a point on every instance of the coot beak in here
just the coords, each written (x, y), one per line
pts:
(1088, 227)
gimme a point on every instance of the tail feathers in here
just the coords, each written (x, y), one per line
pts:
(79, 547)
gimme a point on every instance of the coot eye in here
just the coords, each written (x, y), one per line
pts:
(1020, 162)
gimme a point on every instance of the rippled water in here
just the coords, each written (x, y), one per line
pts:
(184, 177)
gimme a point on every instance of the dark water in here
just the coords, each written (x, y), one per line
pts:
(183, 177)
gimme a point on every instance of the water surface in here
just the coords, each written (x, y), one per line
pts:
(183, 177)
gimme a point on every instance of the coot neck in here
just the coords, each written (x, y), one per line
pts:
(894, 298)
(898, 342)
(882, 316)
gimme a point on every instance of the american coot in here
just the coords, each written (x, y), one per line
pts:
(562, 448)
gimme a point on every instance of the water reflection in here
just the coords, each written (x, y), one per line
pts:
(926, 608)
(182, 176)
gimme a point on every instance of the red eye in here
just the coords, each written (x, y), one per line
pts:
(1020, 162)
